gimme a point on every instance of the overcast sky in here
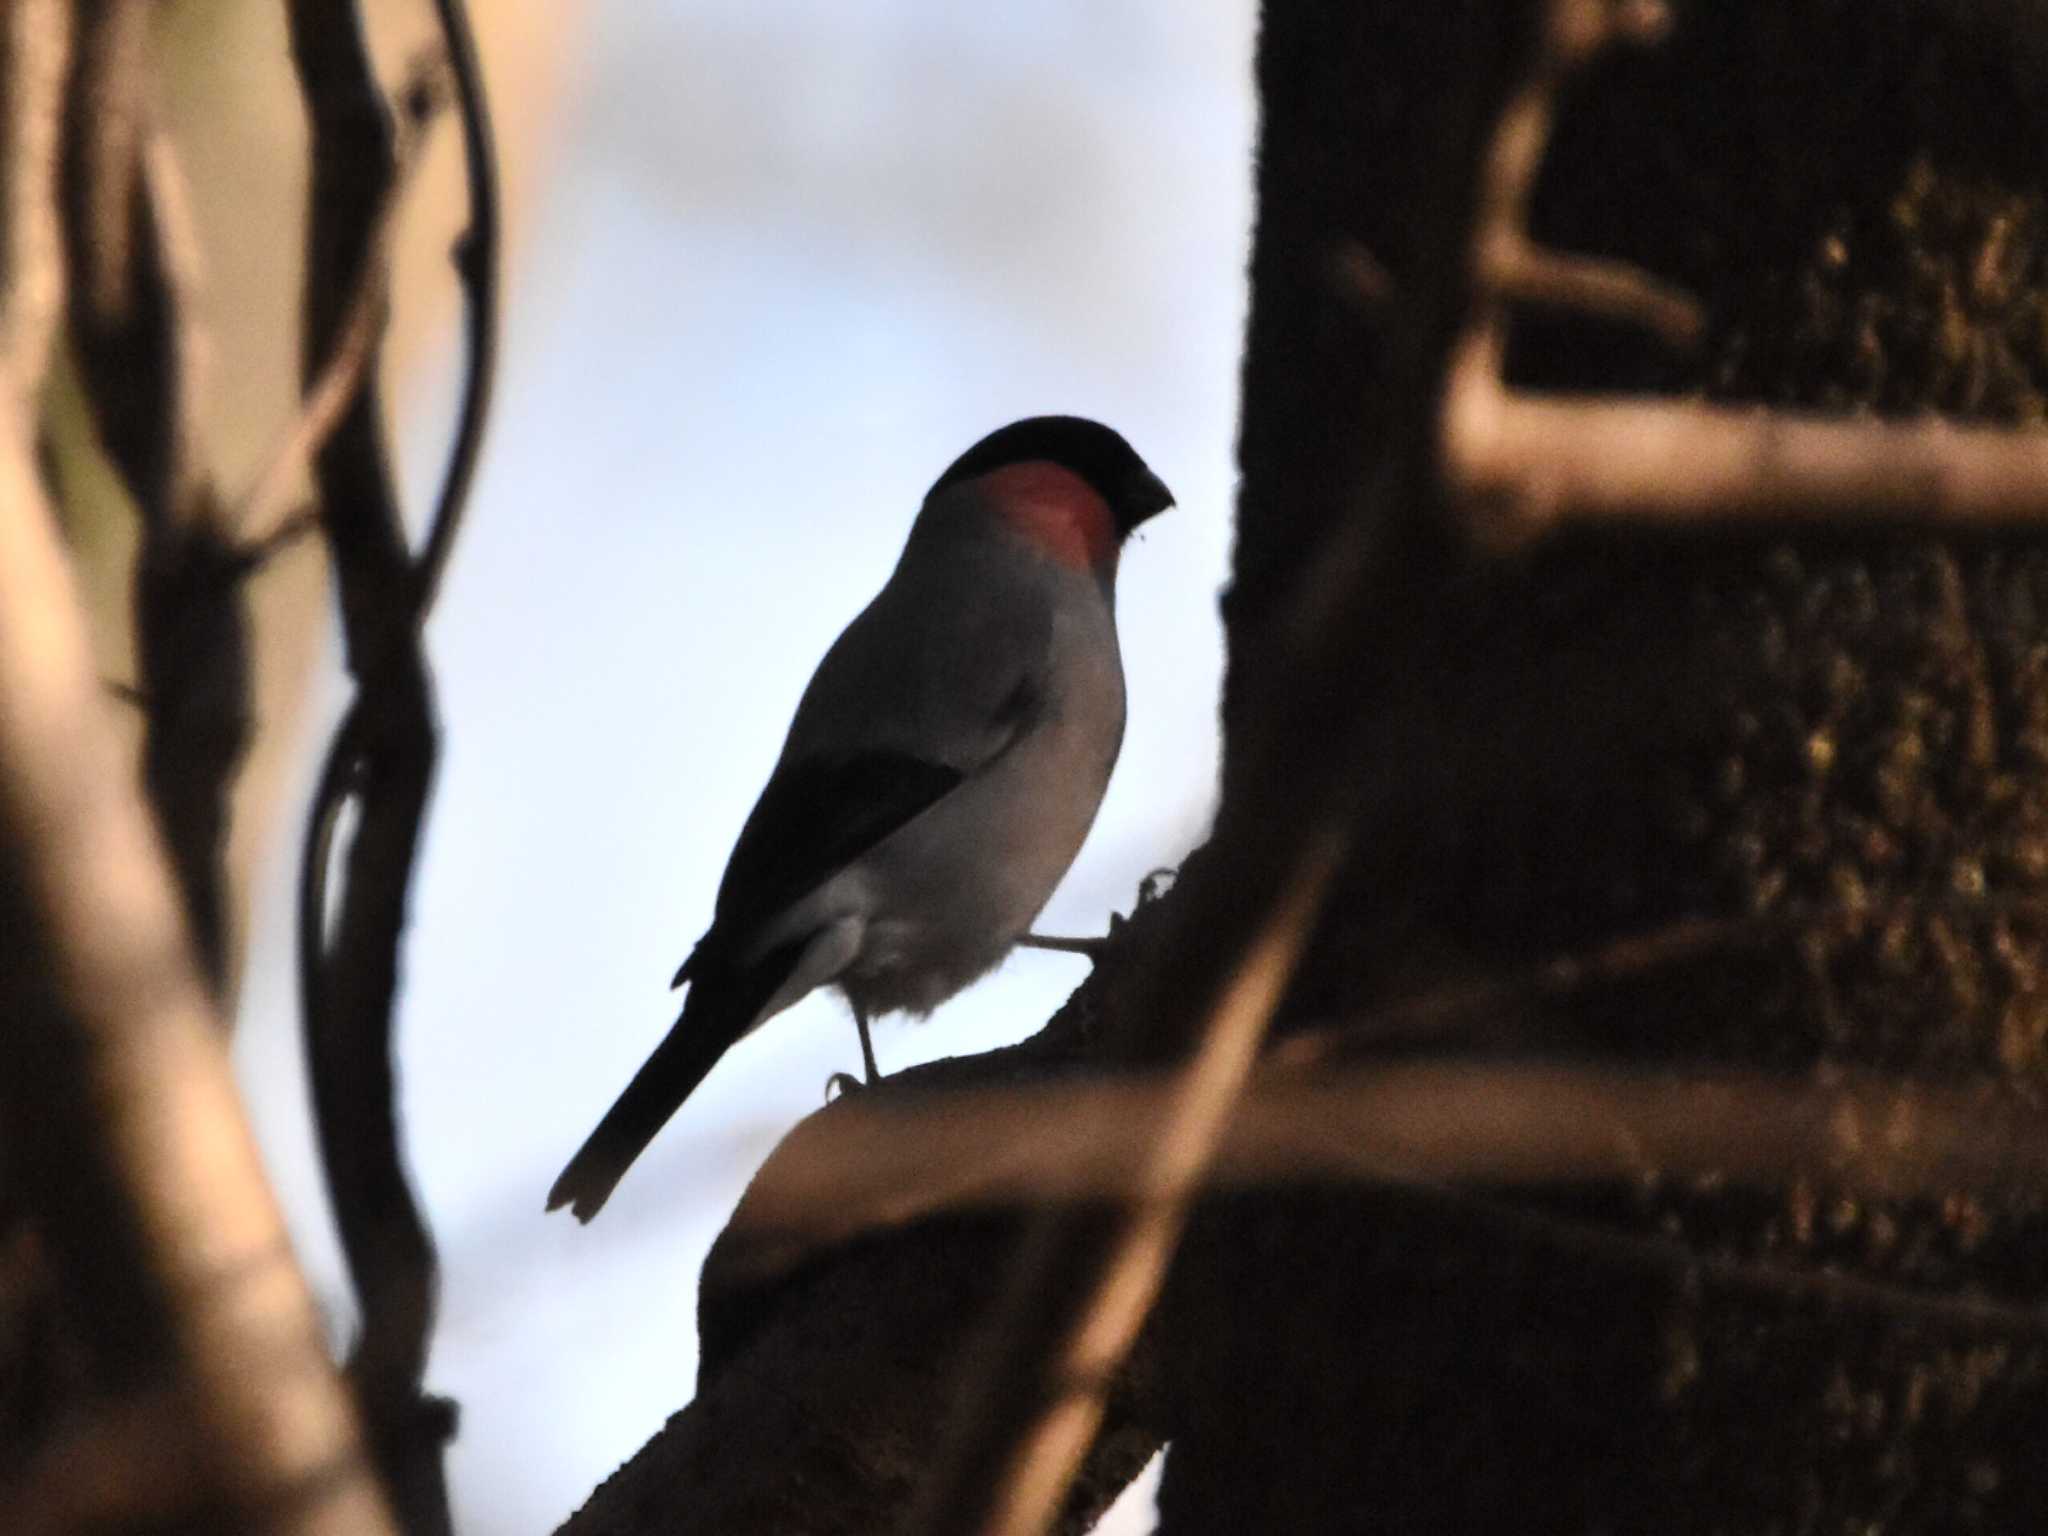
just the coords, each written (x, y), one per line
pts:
(794, 255)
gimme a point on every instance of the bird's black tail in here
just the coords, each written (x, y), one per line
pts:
(720, 1008)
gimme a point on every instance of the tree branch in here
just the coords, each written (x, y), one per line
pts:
(871, 1164)
(383, 754)
(1524, 466)
(265, 513)
(1530, 466)
(476, 262)
(1523, 273)
(140, 1168)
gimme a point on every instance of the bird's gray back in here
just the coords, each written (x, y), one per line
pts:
(940, 661)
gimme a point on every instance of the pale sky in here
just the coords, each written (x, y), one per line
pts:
(794, 256)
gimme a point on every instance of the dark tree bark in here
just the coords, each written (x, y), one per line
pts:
(1845, 734)
(820, 1398)
(1840, 742)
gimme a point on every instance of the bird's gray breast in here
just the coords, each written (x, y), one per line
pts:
(941, 900)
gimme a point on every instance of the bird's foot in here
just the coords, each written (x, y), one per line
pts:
(840, 1084)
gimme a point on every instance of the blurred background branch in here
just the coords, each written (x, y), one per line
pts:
(136, 301)
(139, 1170)
(149, 1303)
(381, 762)
(126, 1142)
(1492, 1123)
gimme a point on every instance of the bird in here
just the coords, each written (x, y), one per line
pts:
(943, 766)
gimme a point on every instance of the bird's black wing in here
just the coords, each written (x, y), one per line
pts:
(815, 817)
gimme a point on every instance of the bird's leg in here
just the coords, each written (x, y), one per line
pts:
(839, 1084)
(1094, 949)
(867, 1046)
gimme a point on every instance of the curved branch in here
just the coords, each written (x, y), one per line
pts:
(476, 261)
(383, 756)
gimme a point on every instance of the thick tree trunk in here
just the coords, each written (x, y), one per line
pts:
(1844, 735)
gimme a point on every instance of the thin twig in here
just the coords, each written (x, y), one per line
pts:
(1522, 273)
(1505, 265)
(1516, 271)
(143, 1171)
(266, 512)
(476, 262)
(1010, 1474)
(1494, 1007)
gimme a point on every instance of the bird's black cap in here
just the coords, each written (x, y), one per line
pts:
(1096, 453)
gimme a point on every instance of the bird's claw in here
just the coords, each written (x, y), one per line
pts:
(840, 1084)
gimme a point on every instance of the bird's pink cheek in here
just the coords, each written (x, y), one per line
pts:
(1058, 511)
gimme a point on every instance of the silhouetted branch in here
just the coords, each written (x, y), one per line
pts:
(476, 261)
(382, 758)
(382, 762)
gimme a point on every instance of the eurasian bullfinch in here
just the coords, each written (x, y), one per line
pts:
(943, 767)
